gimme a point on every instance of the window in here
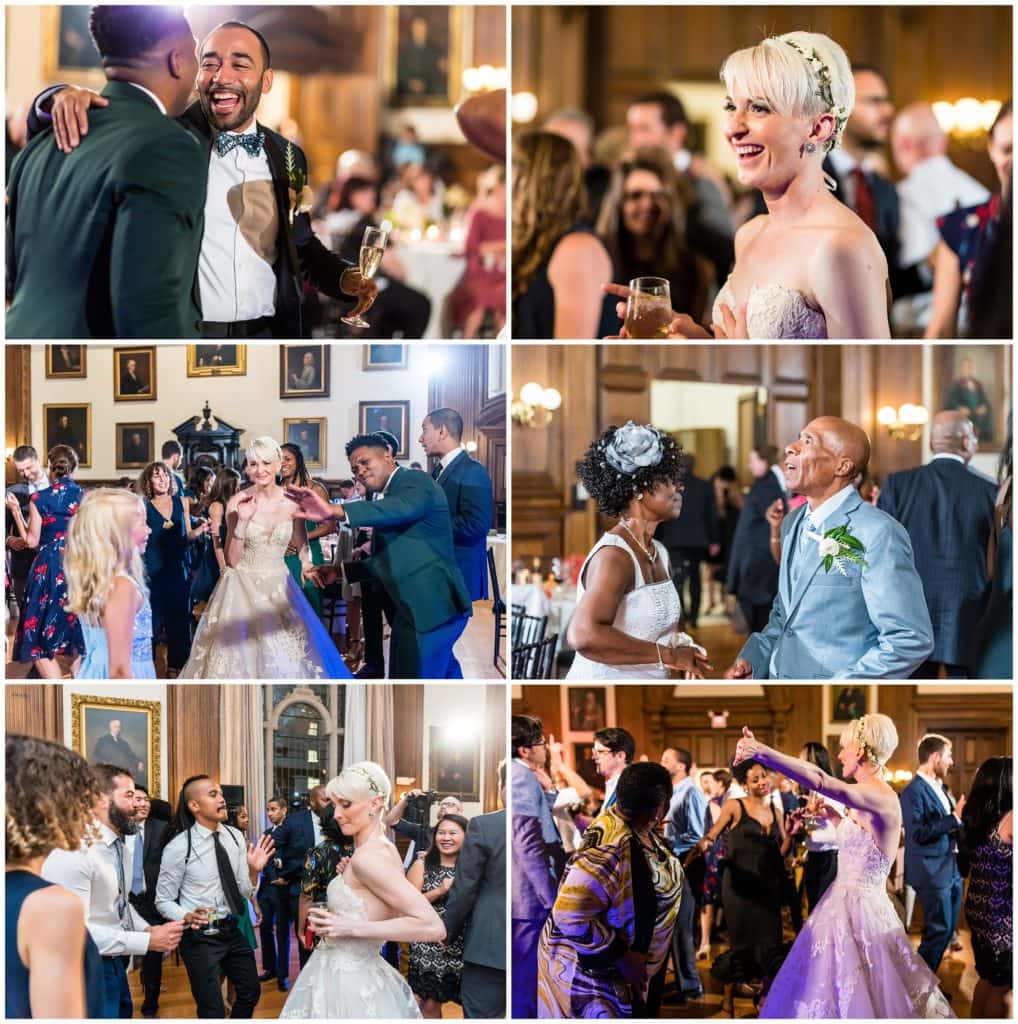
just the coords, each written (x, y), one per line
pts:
(307, 738)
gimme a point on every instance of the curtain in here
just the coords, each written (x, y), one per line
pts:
(368, 734)
(242, 747)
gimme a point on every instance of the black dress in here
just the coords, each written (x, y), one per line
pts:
(751, 878)
(166, 567)
(436, 969)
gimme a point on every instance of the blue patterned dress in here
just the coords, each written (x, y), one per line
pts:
(96, 663)
(46, 630)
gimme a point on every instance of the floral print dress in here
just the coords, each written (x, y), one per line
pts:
(47, 629)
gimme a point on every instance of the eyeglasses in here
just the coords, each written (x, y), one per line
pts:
(600, 752)
(637, 195)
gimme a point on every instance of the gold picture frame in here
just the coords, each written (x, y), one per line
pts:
(140, 457)
(313, 446)
(142, 386)
(144, 716)
(385, 357)
(230, 362)
(69, 55)
(397, 21)
(60, 365)
(54, 433)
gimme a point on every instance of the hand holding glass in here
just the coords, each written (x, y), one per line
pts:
(372, 248)
(648, 308)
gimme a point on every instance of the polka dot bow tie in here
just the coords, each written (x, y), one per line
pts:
(225, 141)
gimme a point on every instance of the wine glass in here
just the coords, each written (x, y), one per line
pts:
(372, 248)
(648, 308)
(212, 915)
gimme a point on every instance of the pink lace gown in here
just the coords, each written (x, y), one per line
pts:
(852, 959)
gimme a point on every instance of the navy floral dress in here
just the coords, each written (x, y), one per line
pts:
(46, 629)
(969, 233)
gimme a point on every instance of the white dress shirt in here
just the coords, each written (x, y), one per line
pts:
(827, 508)
(236, 281)
(316, 824)
(198, 882)
(448, 459)
(388, 483)
(938, 788)
(91, 872)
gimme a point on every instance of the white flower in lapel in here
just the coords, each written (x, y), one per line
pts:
(301, 196)
(838, 546)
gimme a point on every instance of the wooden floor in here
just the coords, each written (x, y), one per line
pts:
(176, 1000)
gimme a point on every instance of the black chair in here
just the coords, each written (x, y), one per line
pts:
(536, 660)
(333, 606)
(528, 629)
(497, 609)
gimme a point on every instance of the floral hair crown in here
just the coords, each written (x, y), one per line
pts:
(633, 448)
(858, 731)
(372, 784)
(822, 74)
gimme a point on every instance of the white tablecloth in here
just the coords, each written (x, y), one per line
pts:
(497, 546)
(558, 609)
(435, 269)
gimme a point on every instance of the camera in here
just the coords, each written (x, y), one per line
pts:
(418, 808)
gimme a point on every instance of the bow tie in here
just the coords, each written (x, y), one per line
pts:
(225, 141)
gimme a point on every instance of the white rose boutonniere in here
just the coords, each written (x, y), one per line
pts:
(838, 546)
(301, 196)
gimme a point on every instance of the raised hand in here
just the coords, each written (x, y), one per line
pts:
(70, 115)
(775, 513)
(747, 748)
(258, 856)
(245, 508)
(310, 504)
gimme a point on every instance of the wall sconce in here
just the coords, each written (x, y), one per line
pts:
(718, 719)
(967, 120)
(535, 405)
(8, 453)
(523, 107)
(470, 446)
(905, 423)
(901, 776)
(485, 78)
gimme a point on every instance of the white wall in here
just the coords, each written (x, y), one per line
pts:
(460, 710)
(686, 405)
(251, 402)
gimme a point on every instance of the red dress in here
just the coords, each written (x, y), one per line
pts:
(481, 286)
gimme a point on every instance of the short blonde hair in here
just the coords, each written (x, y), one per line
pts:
(99, 549)
(782, 70)
(876, 734)
(265, 448)
(361, 781)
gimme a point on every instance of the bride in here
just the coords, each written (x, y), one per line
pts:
(371, 902)
(852, 958)
(258, 623)
(809, 267)
(626, 623)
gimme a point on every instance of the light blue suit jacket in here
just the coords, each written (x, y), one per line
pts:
(871, 624)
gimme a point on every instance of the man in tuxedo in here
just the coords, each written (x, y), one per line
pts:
(110, 748)
(692, 538)
(838, 619)
(469, 493)
(148, 842)
(932, 820)
(103, 243)
(752, 567)
(476, 901)
(414, 558)
(274, 903)
(257, 248)
(947, 508)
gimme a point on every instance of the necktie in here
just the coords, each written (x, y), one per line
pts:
(227, 878)
(138, 869)
(437, 471)
(865, 204)
(118, 853)
(225, 141)
(808, 527)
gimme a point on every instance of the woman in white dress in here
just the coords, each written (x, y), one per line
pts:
(852, 958)
(809, 267)
(258, 624)
(371, 902)
(627, 618)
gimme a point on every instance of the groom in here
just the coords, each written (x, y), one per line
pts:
(412, 556)
(851, 605)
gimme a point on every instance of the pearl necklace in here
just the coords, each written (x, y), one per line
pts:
(651, 554)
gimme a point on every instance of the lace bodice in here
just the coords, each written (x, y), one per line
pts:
(775, 311)
(861, 865)
(265, 549)
(346, 903)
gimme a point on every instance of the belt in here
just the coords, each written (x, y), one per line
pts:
(237, 329)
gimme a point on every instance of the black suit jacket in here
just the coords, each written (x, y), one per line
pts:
(471, 501)
(752, 571)
(947, 510)
(698, 525)
(152, 852)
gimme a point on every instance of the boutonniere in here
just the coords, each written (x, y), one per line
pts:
(301, 196)
(838, 546)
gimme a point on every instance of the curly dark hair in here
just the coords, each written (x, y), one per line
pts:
(740, 771)
(144, 484)
(642, 788)
(50, 794)
(376, 439)
(612, 490)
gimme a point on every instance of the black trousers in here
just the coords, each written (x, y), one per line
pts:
(482, 990)
(399, 308)
(375, 603)
(756, 615)
(303, 954)
(686, 568)
(151, 981)
(821, 869)
(931, 670)
(171, 611)
(206, 957)
(274, 930)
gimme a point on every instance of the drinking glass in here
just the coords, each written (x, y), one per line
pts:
(648, 308)
(212, 913)
(372, 248)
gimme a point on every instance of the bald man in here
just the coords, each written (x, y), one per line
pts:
(947, 508)
(833, 617)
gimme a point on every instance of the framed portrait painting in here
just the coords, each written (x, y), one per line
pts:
(844, 704)
(69, 423)
(588, 708)
(134, 374)
(454, 764)
(391, 416)
(309, 436)
(216, 360)
(136, 445)
(66, 362)
(68, 47)
(975, 380)
(424, 58)
(120, 731)
(303, 371)
(385, 357)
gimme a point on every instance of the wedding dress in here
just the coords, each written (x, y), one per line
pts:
(852, 958)
(650, 611)
(258, 624)
(774, 311)
(347, 979)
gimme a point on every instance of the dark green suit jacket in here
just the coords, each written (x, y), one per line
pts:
(414, 557)
(103, 243)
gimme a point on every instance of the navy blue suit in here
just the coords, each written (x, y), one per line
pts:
(293, 840)
(931, 865)
(274, 902)
(471, 501)
(752, 571)
(947, 510)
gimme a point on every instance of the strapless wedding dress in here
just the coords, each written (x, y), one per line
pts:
(852, 958)
(258, 624)
(774, 311)
(347, 979)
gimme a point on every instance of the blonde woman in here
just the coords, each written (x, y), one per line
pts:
(258, 623)
(369, 903)
(852, 958)
(809, 267)
(106, 585)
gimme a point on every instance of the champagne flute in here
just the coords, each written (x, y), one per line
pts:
(648, 308)
(372, 248)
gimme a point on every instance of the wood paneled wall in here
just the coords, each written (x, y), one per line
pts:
(18, 402)
(35, 709)
(192, 733)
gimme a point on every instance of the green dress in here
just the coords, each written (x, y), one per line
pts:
(311, 592)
